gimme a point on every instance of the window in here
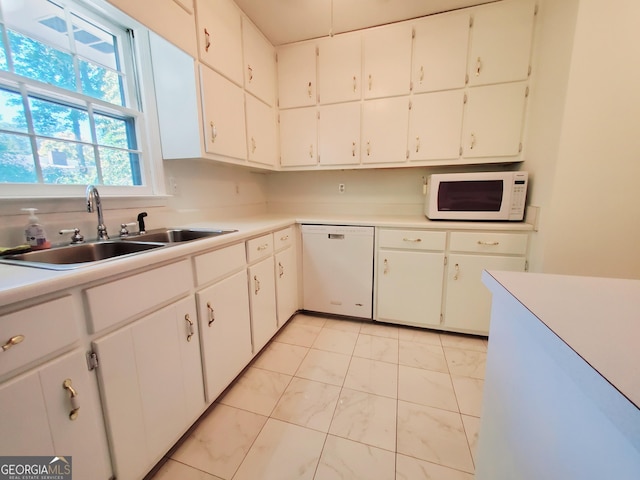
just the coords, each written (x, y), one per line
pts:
(70, 112)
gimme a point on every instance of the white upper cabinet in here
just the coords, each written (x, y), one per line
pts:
(262, 134)
(220, 37)
(435, 125)
(223, 115)
(493, 120)
(384, 130)
(501, 42)
(440, 47)
(260, 64)
(387, 61)
(339, 134)
(297, 75)
(339, 68)
(299, 137)
(172, 19)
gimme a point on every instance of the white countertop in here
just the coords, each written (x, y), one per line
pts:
(18, 283)
(599, 318)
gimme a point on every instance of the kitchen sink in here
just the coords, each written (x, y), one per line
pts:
(176, 235)
(74, 256)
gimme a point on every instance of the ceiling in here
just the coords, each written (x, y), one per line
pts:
(287, 21)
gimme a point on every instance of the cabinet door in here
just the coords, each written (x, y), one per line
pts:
(220, 37)
(35, 417)
(339, 134)
(262, 294)
(409, 287)
(225, 329)
(297, 75)
(384, 130)
(261, 132)
(501, 42)
(435, 125)
(286, 284)
(440, 52)
(151, 384)
(493, 120)
(387, 61)
(299, 137)
(467, 300)
(223, 115)
(260, 64)
(339, 68)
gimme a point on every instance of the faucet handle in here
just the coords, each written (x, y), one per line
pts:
(76, 237)
(124, 231)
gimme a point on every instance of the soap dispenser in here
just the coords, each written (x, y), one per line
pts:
(34, 232)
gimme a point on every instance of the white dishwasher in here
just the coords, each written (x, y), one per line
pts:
(337, 269)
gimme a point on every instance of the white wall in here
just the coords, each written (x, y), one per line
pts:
(592, 223)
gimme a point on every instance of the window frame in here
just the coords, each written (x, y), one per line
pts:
(139, 77)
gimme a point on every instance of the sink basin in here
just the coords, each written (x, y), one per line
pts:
(74, 256)
(176, 235)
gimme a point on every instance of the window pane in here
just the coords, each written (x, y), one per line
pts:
(16, 159)
(94, 43)
(114, 132)
(39, 19)
(60, 121)
(12, 112)
(119, 167)
(100, 82)
(66, 162)
(40, 62)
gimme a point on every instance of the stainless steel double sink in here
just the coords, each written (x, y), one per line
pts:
(68, 257)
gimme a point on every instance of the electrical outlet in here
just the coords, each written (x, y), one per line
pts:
(173, 186)
(341, 188)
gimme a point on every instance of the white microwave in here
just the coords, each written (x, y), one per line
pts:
(476, 196)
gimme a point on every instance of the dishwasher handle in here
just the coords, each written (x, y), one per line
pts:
(335, 236)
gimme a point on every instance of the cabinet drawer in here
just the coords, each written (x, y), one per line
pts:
(283, 238)
(214, 265)
(116, 301)
(412, 239)
(489, 242)
(43, 329)
(260, 247)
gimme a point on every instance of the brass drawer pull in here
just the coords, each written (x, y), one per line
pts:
(212, 315)
(190, 327)
(413, 240)
(489, 244)
(281, 270)
(12, 341)
(73, 398)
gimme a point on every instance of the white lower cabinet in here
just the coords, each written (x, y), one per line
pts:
(286, 274)
(225, 331)
(467, 301)
(410, 268)
(150, 376)
(262, 292)
(413, 286)
(38, 416)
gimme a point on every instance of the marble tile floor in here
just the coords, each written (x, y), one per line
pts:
(339, 399)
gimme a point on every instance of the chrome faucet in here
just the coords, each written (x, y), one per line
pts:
(93, 202)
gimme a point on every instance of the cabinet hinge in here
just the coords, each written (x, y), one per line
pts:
(413, 32)
(407, 155)
(535, 9)
(526, 92)
(466, 78)
(441, 319)
(92, 361)
(520, 147)
(459, 154)
(411, 86)
(276, 58)
(529, 71)
(464, 99)
(526, 265)
(445, 258)
(470, 22)
(410, 104)
(317, 51)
